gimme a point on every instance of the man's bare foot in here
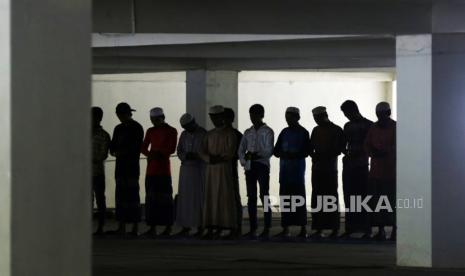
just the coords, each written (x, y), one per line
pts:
(334, 235)
(252, 234)
(99, 231)
(345, 235)
(283, 234)
(199, 233)
(183, 233)
(303, 233)
(381, 236)
(316, 235)
(265, 235)
(166, 232)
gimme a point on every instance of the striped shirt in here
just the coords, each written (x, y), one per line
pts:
(100, 146)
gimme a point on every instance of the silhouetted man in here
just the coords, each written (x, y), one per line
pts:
(125, 146)
(326, 144)
(381, 147)
(191, 188)
(292, 148)
(255, 151)
(229, 117)
(219, 150)
(159, 143)
(355, 168)
(100, 146)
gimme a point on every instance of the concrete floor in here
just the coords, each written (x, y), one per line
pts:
(113, 256)
(117, 257)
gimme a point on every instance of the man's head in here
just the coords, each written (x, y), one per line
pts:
(97, 116)
(124, 112)
(217, 115)
(157, 116)
(187, 122)
(383, 112)
(229, 116)
(319, 115)
(350, 110)
(256, 112)
(292, 116)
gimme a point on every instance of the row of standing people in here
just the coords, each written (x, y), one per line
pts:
(208, 193)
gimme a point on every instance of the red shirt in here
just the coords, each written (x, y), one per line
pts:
(162, 139)
(382, 139)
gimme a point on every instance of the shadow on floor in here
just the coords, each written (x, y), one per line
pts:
(113, 256)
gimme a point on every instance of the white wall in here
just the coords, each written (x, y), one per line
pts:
(274, 90)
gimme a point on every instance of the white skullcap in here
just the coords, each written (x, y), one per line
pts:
(383, 106)
(186, 118)
(319, 110)
(216, 109)
(292, 109)
(155, 112)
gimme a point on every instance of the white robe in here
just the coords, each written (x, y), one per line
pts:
(220, 207)
(189, 206)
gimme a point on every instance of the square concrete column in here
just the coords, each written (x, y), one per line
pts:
(431, 150)
(207, 88)
(45, 214)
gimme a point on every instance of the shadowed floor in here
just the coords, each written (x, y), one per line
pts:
(167, 257)
(117, 257)
(114, 256)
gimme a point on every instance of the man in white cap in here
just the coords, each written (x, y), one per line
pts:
(189, 205)
(219, 149)
(159, 143)
(326, 144)
(381, 147)
(125, 146)
(292, 149)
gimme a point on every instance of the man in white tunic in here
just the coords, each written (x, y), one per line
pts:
(219, 149)
(191, 177)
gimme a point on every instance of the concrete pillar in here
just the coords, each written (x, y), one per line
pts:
(5, 141)
(431, 149)
(45, 225)
(414, 148)
(207, 88)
